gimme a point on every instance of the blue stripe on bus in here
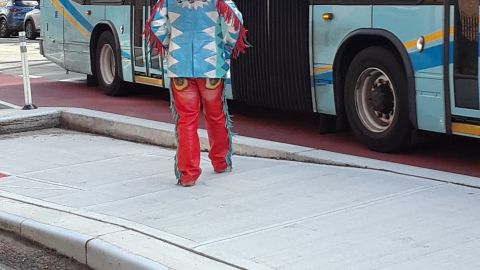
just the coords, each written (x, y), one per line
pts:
(322, 79)
(125, 54)
(77, 15)
(429, 58)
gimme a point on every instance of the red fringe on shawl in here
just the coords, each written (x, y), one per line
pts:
(150, 37)
(227, 13)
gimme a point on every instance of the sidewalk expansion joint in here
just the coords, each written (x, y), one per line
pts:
(86, 249)
(192, 250)
(49, 182)
(323, 214)
(95, 238)
(77, 164)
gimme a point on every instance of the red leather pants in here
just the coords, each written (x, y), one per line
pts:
(188, 97)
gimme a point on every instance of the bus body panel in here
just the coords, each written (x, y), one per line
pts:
(67, 43)
(327, 37)
(52, 31)
(77, 31)
(120, 18)
(420, 21)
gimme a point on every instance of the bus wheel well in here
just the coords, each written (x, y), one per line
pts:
(99, 29)
(344, 57)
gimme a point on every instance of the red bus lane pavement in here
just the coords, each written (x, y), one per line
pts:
(436, 151)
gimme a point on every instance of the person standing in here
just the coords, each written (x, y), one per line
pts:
(198, 38)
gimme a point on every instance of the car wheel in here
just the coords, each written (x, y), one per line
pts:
(376, 100)
(4, 32)
(30, 30)
(107, 68)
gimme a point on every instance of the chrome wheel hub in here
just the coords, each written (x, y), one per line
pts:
(107, 64)
(375, 100)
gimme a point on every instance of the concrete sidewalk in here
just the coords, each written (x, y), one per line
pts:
(114, 204)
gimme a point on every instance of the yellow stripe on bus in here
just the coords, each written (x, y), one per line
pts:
(466, 129)
(408, 45)
(71, 20)
(322, 69)
(428, 38)
(148, 80)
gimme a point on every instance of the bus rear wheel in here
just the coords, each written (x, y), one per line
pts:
(107, 66)
(376, 100)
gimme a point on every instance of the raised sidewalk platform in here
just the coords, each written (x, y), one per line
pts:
(113, 204)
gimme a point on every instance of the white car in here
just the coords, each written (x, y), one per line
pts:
(32, 23)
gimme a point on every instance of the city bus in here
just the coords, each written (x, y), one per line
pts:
(386, 68)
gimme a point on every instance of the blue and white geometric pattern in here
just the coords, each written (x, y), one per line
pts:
(197, 39)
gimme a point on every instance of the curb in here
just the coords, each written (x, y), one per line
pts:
(14, 120)
(101, 242)
(107, 256)
(87, 250)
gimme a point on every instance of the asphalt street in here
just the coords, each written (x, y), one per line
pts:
(17, 253)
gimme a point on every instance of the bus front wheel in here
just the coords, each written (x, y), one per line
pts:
(376, 100)
(107, 68)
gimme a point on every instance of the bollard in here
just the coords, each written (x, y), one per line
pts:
(26, 75)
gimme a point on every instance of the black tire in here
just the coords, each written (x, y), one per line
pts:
(327, 123)
(4, 32)
(376, 100)
(107, 75)
(92, 80)
(30, 30)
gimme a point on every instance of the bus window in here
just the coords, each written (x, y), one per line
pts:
(138, 24)
(467, 37)
(466, 54)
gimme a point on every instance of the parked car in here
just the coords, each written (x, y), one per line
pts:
(32, 23)
(12, 15)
